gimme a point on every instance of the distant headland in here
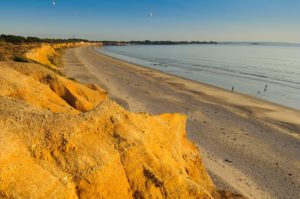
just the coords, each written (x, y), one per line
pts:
(149, 42)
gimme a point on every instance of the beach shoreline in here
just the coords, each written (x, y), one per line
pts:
(243, 70)
(252, 140)
(199, 82)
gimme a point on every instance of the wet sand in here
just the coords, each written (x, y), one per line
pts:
(248, 145)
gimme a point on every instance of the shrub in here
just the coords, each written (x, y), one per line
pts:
(18, 58)
(13, 39)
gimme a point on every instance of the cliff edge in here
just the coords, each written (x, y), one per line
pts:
(63, 139)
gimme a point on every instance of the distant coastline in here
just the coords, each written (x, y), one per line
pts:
(149, 42)
(16, 39)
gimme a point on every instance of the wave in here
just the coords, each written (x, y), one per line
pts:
(234, 72)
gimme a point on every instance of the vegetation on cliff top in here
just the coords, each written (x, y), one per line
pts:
(20, 39)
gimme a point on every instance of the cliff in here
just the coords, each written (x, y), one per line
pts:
(63, 139)
(46, 53)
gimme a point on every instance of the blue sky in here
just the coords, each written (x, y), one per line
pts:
(218, 20)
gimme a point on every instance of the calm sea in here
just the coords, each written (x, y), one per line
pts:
(248, 68)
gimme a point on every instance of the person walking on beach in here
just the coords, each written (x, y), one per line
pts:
(266, 86)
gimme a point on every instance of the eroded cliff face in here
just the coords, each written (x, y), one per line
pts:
(106, 152)
(62, 139)
(45, 53)
(36, 85)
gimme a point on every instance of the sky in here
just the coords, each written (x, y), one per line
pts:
(210, 20)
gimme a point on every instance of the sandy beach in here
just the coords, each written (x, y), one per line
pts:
(248, 145)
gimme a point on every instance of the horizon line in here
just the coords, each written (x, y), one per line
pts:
(141, 40)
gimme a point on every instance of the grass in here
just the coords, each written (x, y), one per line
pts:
(15, 52)
(56, 59)
(58, 72)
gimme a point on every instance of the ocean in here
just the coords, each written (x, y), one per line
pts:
(267, 71)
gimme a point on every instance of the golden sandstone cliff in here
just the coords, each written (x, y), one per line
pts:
(45, 53)
(63, 139)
